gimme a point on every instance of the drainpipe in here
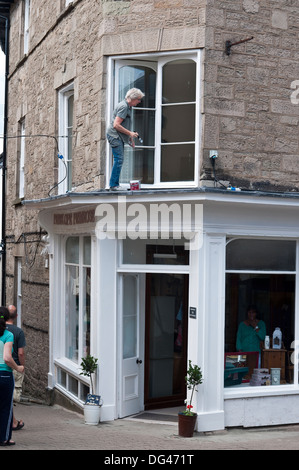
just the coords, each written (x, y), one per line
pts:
(3, 215)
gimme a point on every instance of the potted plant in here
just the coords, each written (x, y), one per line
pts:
(187, 418)
(92, 406)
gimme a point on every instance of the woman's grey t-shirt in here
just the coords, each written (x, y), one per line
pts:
(123, 111)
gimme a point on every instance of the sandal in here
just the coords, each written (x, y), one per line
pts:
(18, 426)
(7, 443)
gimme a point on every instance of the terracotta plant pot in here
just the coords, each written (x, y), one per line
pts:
(186, 424)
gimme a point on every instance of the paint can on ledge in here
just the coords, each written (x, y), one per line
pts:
(134, 185)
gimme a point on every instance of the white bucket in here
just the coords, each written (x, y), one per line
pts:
(92, 414)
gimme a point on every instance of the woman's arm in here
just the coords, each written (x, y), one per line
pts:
(7, 356)
(261, 332)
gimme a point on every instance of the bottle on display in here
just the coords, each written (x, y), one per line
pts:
(267, 342)
(277, 336)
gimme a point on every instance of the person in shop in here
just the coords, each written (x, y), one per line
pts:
(251, 332)
(7, 365)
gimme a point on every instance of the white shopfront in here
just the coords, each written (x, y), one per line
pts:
(144, 307)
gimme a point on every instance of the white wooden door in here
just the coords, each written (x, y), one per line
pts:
(132, 341)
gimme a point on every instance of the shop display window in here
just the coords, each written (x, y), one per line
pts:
(260, 274)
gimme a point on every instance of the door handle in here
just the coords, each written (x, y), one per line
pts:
(138, 361)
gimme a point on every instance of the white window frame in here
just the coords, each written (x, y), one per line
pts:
(26, 25)
(160, 59)
(63, 125)
(19, 291)
(21, 186)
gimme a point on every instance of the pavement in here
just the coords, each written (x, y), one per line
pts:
(56, 428)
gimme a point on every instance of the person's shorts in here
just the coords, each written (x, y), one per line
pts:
(18, 386)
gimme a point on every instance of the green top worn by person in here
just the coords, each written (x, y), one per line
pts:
(251, 332)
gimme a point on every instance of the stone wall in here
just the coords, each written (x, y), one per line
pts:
(250, 116)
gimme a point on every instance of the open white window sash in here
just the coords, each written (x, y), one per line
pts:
(157, 65)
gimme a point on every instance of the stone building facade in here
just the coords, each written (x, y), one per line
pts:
(63, 58)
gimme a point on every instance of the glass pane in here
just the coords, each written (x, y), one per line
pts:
(269, 299)
(69, 175)
(73, 385)
(166, 343)
(129, 317)
(261, 255)
(138, 165)
(61, 377)
(72, 313)
(86, 311)
(70, 111)
(177, 162)
(155, 252)
(179, 81)
(143, 122)
(87, 251)
(72, 250)
(178, 123)
(144, 78)
(84, 390)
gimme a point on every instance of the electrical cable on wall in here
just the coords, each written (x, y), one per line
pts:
(59, 155)
(213, 161)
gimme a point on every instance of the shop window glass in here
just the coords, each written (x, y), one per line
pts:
(72, 250)
(77, 297)
(261, 255)
(272, 295)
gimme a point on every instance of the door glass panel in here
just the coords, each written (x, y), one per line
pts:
(129, 317)
(166, 336)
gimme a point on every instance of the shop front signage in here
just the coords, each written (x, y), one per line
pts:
(75, 218)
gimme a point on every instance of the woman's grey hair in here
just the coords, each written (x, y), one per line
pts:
(134, 94)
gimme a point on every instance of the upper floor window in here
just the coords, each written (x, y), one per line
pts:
(66, 112)
(167, 119)
(21, 161)
(26, 25)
